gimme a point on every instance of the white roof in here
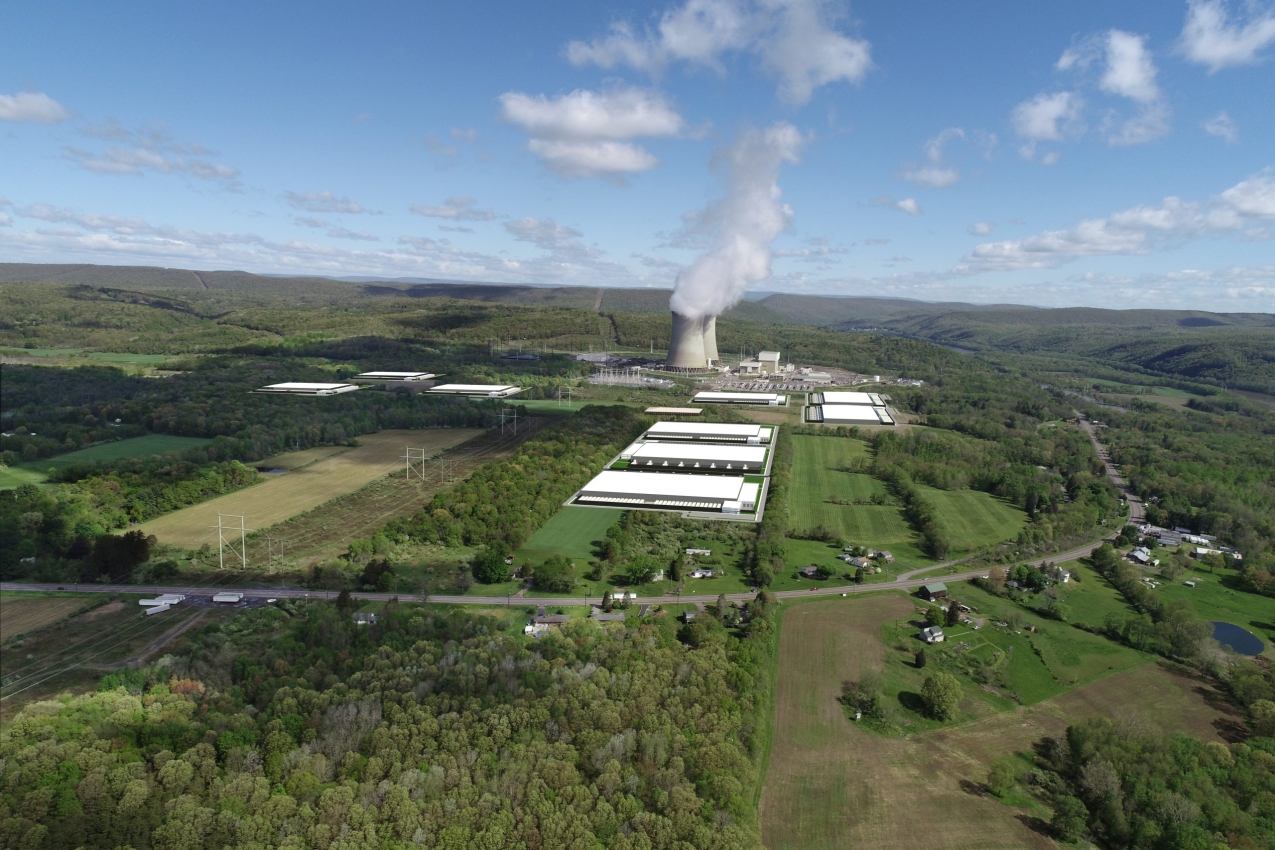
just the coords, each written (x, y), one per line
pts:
(768, 355)
(675, 411)
(707, 430)
(711, 452)
(397, 376)
(850, 398)
(227, 597)
(475, 389)
(304, 387)
(849, 413)
(755, 398)
(666, 484)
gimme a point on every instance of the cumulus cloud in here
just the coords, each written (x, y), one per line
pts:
(931, 176)
(1130, 71)
(982, 228)
(1243, 209)
(1223, 127)
(455, 208)
(1047, 118)
(795, 41)
(31, 107)
(150, 149)
(1211, 38)
(358, 236)
(590, 134)
(323, 202)
(907, 205)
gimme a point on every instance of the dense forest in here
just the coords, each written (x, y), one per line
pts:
(424, 728)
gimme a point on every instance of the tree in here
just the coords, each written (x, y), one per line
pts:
(721, 606)
(1263, 711)
(489, 566)
(1070, 817)
(344, 603)
(1003, 776)
(934, 616)
(942, 694)
(556, 575)
(859, 575)
(953, 614)
(921, 659)
(607, 600)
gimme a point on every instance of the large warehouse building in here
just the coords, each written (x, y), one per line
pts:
(624, 489)
(302, 388)
(705, 457)
(710, 432)
(848, 414)
(475, 390)
(771, 399)
(872, 399)
(391, 377)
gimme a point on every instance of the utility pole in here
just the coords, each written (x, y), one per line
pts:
(411, 457)
(509, 415)
(223, 544)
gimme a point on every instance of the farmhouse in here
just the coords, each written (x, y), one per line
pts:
(476, 390)
(771, 399)
(700, 572)
(308, 389)
(811, 571)
(936, 590)
(387, 377)
(710, 432)
(932, 634)
(671, 490)
(701, 456)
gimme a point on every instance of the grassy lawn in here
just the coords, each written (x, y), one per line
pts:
(16, 476)
(151, 444)
(973, 519)
(1217, 597)
(1089, 598)
(573, 531)
(99, 356)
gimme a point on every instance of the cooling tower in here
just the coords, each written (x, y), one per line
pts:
(710, 339)
(686, 348)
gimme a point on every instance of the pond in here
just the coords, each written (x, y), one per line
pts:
(1240, 640)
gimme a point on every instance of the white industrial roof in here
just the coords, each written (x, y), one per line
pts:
(304, 387)
(850, 398)
(675, 411)
(768, 355)
(396, 376)
(708, 430)
(849, 413)
(665, 484)
(717, 453)
(475, 389)
(743, 398)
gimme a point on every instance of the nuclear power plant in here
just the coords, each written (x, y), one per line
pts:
(693, 346)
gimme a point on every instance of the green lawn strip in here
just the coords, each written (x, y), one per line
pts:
(573, 532)
(973, 519)
(151, 444)
(1216, 597)
(16, 476)
(100, 356)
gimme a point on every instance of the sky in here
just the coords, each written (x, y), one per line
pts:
(1082, 153)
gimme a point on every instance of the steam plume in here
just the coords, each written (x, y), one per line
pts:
(744, 223)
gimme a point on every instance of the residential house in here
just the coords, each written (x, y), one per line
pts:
(811, 571)
(606, 617)
(932, 634)
(364, 618)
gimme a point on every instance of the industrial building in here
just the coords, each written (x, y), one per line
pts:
(710, 432)
(771, 399)
(872, 399)
(388, 377)
(693, 345)
(729, 494)
(301, 388)
(476, 390)
(705, 457)
(848, 414)
(674, 411)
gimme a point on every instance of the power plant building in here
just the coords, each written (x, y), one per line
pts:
(710, 432)
(475, 390)
(771, 399)
(624, 489)
(702, 457)
(308, 389)
(693, 344)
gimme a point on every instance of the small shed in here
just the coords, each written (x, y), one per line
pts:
(936, 590)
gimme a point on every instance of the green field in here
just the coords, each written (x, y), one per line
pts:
(98, 356)
(1213, 600)
(973, 519)
(16, 476)
(1165, 392)
(1089, 599)
(151, 444)
(572, 532)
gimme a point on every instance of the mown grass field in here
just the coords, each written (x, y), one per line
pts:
(572, 531)
(21, 615)
(1217, 597)
(833, 784)
(1089, 599)
(79, 353)
(16, 476)
(287, 495)
(972, 519)
(143, 447)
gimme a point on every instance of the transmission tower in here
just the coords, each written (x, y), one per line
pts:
(509, 415)
(272, 546)
(414, 462)
(228, 531)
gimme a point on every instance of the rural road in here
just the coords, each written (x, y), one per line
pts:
(904, 582)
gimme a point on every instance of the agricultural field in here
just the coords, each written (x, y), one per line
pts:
(151, 444)
(20, 615)
(972, 519)
(833, 784)
(289, 494)
(75, 356)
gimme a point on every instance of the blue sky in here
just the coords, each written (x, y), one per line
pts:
(1082, 153)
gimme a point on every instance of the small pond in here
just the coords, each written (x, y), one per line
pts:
(1240, 640)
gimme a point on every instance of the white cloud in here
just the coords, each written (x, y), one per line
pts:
(1149, 123)
(1048, 117)
(150, 148)
(308, 221)
(543, 232)
(589, 134)
(907, 205)
(1050, 158)
(1223, 127)
(796, 41)
(359, 236)
(456, 208)
(1210, 38)
(31, 106)
(1241, 209)
(6, 220)
(900, 258)
(323, 202)
(932, 176)
(1130, 72)
(982, 228)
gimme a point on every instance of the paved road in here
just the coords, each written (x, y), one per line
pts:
(1137, 514)
(904, 582)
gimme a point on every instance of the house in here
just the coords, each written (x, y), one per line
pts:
(1064, 576)
(863, 563)
(811, 571)
(884, 556)
(687, 616)
(535, 630)
(700, 572)
(605, 617)
(932, 634)
(550, 619)
(1140, 555)
(363, 618)
(705, 552)
(937, 590)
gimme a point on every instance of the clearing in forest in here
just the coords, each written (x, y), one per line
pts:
(134, 447)
(20, 615)
(833, 784)
(284, 495)
(572, 531)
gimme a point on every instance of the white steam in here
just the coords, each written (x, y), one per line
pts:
(743, 223)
